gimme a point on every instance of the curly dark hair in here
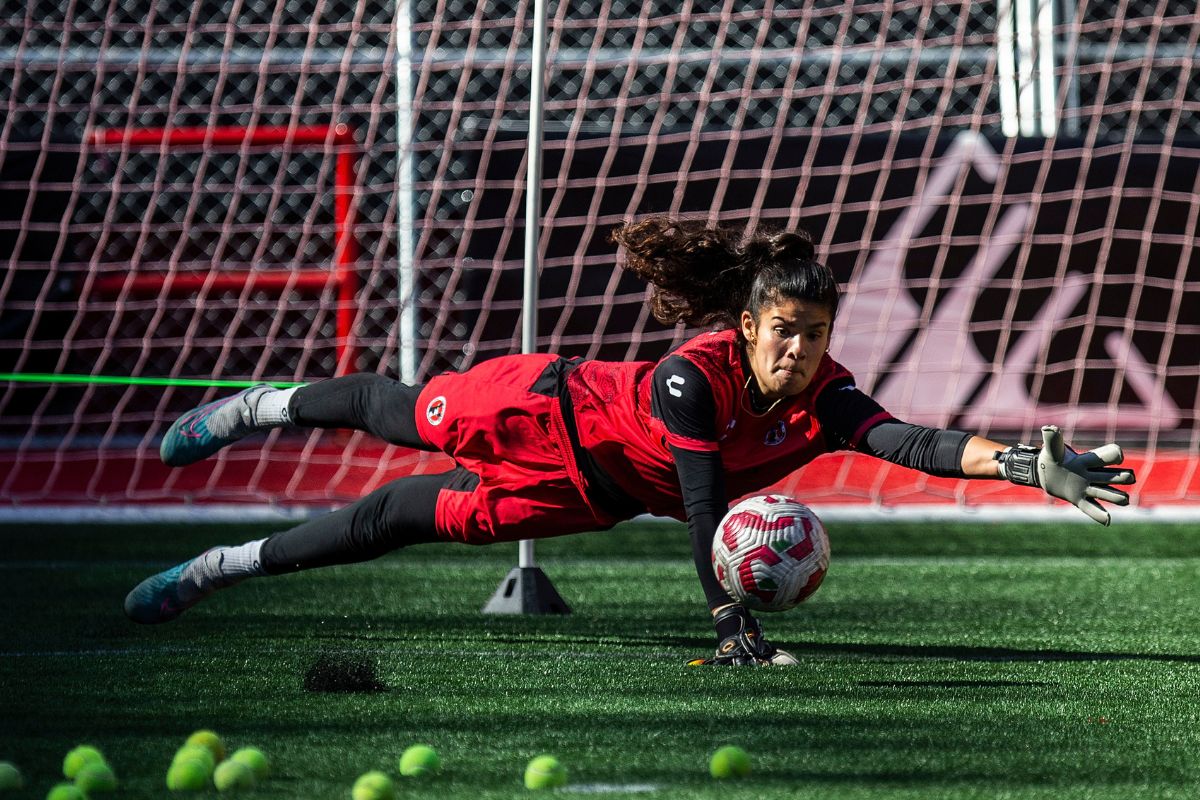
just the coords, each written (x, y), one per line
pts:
(702, 275)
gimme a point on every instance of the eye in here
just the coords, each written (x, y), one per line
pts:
(781, 332)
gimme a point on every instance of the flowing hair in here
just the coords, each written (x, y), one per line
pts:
(704, 276)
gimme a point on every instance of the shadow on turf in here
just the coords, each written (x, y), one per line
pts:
(965, 653)
(553, 631)
(949, 684)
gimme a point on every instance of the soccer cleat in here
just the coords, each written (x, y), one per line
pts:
(203, 431)
(157, 599)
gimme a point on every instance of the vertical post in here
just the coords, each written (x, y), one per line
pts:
(1006, 69)
(526, 589)
(1027, 96)
(533, 209)
(405, 209)
(1071, 62)
(345, 254)
(1047, 90)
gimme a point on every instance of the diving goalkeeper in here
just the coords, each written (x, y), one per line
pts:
(545, 446)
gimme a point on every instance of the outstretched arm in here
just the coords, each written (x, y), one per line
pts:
(856, 421)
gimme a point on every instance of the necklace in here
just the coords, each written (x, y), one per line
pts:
(756, 398)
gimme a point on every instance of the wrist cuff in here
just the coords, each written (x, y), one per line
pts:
(1019, 465)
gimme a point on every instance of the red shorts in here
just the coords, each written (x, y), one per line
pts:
(494, 425)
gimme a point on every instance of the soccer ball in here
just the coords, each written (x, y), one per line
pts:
(770, 552)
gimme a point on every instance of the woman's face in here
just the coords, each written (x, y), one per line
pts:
(786, 343)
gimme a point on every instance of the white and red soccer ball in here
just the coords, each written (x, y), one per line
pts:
(770, 552)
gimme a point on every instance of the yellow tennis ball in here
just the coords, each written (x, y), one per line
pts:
(188, 775)
(729, 762)
(545, 772)
(10, 777)
(373, 785)
(253, 758)
(209, 739)
(96, 778)
(79, 758)
(231, 775)
(418, 760)
(195, 752)
(66, 791)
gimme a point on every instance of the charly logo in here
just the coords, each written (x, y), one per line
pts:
(436, 410)
(776, 435)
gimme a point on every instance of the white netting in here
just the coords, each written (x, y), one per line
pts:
(218, 190)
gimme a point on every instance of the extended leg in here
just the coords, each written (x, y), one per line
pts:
(364, 402)
(396, 515)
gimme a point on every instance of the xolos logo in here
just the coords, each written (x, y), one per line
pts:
(436, 410)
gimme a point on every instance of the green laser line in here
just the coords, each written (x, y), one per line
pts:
(118, 380)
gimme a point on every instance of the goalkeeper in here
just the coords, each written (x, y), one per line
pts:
(545, 446)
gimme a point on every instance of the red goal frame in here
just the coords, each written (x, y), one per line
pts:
(314, 280)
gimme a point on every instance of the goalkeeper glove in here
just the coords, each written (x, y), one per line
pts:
(1079, 478)
(746, 646)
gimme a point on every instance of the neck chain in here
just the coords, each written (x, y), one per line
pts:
(755, 397)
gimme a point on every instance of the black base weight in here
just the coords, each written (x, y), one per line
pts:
(526, 590)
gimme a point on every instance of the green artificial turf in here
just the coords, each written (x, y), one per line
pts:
(936, 661)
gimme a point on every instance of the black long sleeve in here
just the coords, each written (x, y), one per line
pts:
(682, 399)
(851, 419)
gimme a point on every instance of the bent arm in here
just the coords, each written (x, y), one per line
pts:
(682, 399)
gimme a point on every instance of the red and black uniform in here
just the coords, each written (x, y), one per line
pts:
(546, 446)
(635, 420)
(563, 445)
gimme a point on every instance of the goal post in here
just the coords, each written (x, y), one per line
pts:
(527, 589)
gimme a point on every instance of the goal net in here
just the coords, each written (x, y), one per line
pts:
(289, 190)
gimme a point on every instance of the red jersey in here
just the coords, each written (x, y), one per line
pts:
(629, 442)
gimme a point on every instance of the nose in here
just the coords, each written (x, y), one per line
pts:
(796, 348)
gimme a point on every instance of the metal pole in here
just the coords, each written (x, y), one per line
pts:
(1006, 70)
(405, 211)
(533, 208)
(1047, 90)
(526, 589)
(1026, 91)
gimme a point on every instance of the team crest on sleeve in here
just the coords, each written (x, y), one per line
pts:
(436, 410)
(776, 435)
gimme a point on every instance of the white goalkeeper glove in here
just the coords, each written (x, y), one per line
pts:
(1079, 478)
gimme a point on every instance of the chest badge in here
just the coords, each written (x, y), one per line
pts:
(436, 410)
(776, 435)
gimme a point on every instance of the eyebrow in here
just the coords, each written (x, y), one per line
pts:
(790, 323)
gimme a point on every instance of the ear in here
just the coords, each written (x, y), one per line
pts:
(749, 328)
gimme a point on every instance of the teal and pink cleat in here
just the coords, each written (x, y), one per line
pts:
(203, 431)
(157, 599)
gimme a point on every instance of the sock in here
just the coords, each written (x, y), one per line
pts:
(219, 568)
(272, 407)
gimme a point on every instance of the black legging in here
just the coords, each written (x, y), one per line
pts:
(380, 406)
(395, 515)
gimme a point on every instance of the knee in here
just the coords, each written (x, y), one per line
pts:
(388, 520)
